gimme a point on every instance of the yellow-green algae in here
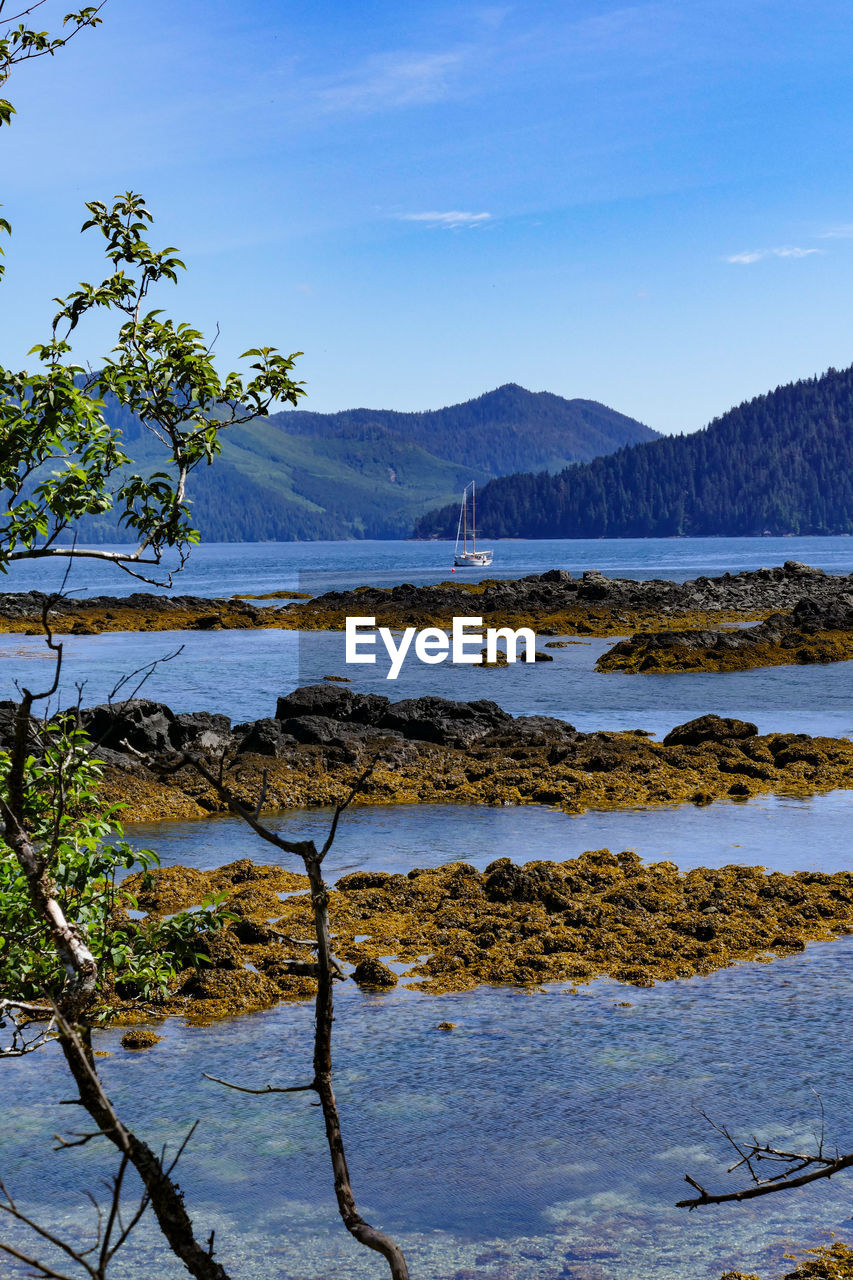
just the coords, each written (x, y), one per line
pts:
(829, 1262)
(597, 915)
(79, 617)
(595, 771)
(799, 649)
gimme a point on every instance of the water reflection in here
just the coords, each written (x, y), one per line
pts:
(547, 1135)
(777, 832)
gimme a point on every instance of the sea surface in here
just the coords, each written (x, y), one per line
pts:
(232, 568)
(547, 1136)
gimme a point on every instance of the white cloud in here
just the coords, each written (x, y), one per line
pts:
(746, 257)
(392, 80)
(794, 252)
(452, 218)
(784, 251)
(844, 232)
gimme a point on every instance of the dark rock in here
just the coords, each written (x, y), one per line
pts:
(149, 727)
(796, 569)
(201, 730)
(263, 738)
(709, 729)
(374, 975)
(317, 729)
(331, 703)
(453, 724)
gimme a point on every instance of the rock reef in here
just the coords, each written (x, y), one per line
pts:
(598, 915)
(430, 749)
(812, 632)
(828, 1262)
(560, 604)
(553, 603)
(22, 613)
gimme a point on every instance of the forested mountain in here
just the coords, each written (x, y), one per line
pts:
(781, 463)
(373, 472)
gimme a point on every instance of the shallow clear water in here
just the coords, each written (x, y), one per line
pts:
(241, 673)
(548, 1133)
(547, 1136)
(777, 832)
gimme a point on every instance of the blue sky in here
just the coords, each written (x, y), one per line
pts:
(645, 204)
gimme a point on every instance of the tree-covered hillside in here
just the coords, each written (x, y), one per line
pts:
(492, 433)
(781, 463)
(371, 473)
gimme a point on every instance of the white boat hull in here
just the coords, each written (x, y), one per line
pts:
(473, 559)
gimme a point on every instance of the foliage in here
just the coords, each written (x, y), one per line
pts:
(781, 463)
(87, 856)
(370, 473)
(61, 461)
(22, 44)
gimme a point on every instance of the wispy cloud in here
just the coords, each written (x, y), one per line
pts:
(844, 232)
(756, 255)
(452, 218)
(392, 80)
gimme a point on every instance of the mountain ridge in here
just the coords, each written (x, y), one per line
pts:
(778, 463)
(361, 473)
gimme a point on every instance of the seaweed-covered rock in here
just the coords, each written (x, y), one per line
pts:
(709, 728)
(139, 1038)
(373, 975)
(146, 726)
(454, 724)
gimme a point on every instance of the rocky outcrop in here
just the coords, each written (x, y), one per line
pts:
(599, 914)
(554, 602)
(709, 729)
(139, 611)
(427, 750)
(813, 631)
(592, 604)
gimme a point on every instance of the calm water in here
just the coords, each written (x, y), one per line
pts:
(228, 568)
(547, 1136)
(241, 673)
(777, 832)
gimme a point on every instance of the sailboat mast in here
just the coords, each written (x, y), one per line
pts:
(473, 517)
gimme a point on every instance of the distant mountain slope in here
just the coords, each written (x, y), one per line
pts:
(493, 432)
(372, 472)
(781, 463)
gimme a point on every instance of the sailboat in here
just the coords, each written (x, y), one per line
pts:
(472, 559)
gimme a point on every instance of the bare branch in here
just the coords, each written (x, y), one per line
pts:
(269, 1088)
(800, 1168)
(327, 971)
(344, 804)
(14, 1212)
